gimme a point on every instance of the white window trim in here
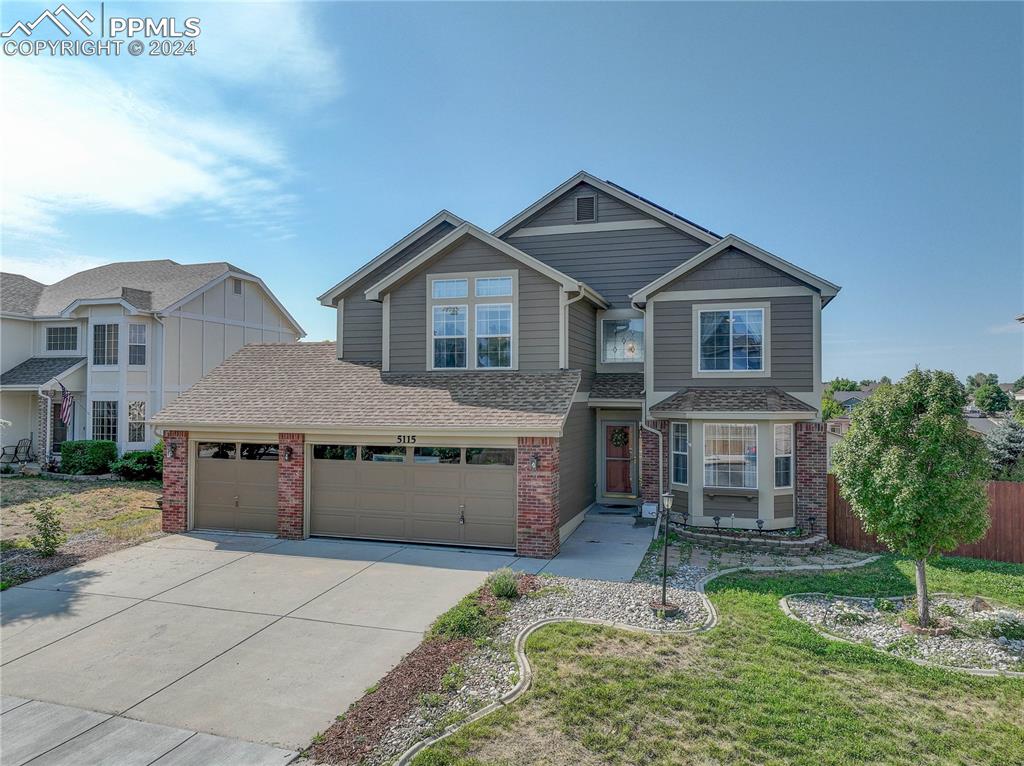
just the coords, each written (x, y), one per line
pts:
(117, 418)
(603, 314)
(757, 469)
(600, 332)
(476, 287)
(92, 345)
(790, 455)
(433, 337)
(674, 454)
(471, 303)
(477, 336)
(144, 344)
(448, 297)
(63, 351)
(766, 370)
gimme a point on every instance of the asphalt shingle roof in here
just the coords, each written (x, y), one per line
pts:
(147, 285)
(293, 386)
(617, 385)
(38, 370)
(731, 399)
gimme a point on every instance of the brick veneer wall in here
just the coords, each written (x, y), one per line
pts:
(649, 491)
(811, 476)
(291, 485)
(537, 495)
(174, 517)
(40, 445)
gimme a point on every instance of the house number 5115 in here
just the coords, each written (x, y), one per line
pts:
(406, 439)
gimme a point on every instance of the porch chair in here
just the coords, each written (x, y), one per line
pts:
(19, 453)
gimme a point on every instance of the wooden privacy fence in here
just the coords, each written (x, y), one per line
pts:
(1004, 540)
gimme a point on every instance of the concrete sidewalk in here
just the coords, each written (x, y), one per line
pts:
(604, 547)
(45, 734)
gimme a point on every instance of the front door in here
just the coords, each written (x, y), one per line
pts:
(619, 458)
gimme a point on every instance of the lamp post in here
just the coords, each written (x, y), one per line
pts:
(666, 502)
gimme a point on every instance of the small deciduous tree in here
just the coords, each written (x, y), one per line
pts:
(830, 408)
(1005, 445)
(979, 379)
(912, 471)
(991, 398)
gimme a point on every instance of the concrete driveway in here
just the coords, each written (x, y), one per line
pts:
(251, 638)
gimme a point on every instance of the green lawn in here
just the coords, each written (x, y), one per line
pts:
(758, 689)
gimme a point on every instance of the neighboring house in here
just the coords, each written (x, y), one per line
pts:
(125, 339)
(486, 388)
(850, 399)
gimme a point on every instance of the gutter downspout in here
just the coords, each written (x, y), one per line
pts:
(643, 424)
(564, 340)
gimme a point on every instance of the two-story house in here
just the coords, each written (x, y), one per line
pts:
(486, 388)
(123, 339)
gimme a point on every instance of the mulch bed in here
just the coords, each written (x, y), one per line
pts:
(357, 734)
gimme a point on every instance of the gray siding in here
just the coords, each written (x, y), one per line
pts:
(783, 506)
(732, 270)
(538, 308)
(791, 339)
(745, 507)
(563, 210)
(615, 263)
(583, 341)
(577, 476)
(362, 326)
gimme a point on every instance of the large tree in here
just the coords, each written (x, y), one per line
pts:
(1018, 384)
(991, 398)
(913, 472)
(979, 379)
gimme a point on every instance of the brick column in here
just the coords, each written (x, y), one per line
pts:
(537, 491)
(41, 444)
(291, 487)
(649, 491)
(174, 517)
(811, 476)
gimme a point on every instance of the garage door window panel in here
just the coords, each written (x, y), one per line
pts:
(386, 454)
(437, 455)
(250, 451)
(217, 450)
(494, 456)
(334, 452)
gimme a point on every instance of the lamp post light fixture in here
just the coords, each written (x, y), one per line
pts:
(686, 518)
(812, 520)
(718, 523)
(760, 526)
(663, 607)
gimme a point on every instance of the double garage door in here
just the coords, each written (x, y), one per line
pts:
(453, 495)
(458, 495)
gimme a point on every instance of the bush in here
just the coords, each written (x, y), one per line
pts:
(467, 619)
(140, 464)
(89, 456)
(503, 583)
(49, 535)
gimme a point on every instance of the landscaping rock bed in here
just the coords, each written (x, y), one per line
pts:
(489, 670)
(777, 542)
(982, 636)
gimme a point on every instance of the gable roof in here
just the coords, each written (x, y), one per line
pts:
(442, 216)
(624, 195)
(257, 388)
(827, 289)
(140, 286)
(467, 229)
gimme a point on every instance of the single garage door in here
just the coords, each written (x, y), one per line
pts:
(455, 495)
(236, 486)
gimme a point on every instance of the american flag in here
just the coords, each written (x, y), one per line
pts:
(67, 405)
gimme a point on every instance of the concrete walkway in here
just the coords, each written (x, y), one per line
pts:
(41, 733)
(604, 547)
(251, 638)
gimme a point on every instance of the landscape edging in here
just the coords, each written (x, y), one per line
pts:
(987, 672)
(526, 670)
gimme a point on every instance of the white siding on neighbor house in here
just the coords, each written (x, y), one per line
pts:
(15, 342)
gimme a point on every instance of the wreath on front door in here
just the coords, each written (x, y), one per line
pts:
(620, 438)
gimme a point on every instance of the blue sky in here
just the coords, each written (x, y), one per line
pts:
(878, 145)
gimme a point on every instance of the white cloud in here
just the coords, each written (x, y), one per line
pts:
(81, 135)
(49, 267)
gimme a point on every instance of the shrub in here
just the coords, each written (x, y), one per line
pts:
(453, 678)
(158, 457)
(503, 583)
(467, 619)
(1009, 626)
(49, 535)
(140, 464)
(89, 456)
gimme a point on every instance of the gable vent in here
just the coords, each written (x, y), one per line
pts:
(586, 209)
(236, 286)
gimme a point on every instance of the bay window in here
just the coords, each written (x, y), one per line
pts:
(731, 340)
(680, 453)
(730, 455)
(104, 420)
(783, 455)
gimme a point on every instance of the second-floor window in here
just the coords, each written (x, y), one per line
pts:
(61, 338)
(732, 340)
(104, 344)
(136, 344)
(472, 322)
(623, 340)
